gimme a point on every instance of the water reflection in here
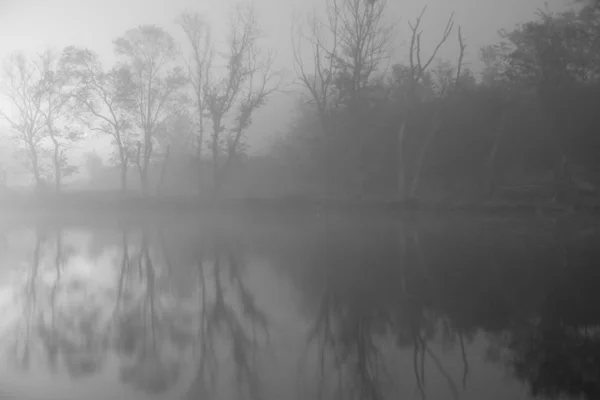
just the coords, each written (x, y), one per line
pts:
(340, 310)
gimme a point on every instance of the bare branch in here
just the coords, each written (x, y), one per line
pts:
(460, 57)
(418, 69)
(198, 35)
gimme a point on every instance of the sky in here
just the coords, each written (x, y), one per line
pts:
(33, 25)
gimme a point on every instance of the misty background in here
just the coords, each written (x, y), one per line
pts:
(281, 142)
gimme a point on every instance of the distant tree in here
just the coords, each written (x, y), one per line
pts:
(56, 107)
(248, 81)
(199, 61)
(154, 85)
(101, 100)
(348, 48)
(175, 134)
(23, 89)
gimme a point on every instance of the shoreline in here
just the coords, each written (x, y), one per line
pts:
(110, 203)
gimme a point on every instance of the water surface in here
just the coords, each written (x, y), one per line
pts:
(322, 308)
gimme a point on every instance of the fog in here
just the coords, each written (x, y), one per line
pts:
(353, 100)
(350, 199)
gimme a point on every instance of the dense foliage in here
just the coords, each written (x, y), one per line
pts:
(528, 122)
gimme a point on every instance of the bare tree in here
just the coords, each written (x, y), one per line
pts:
(418, 67)
(318, 81)
(263, 80)
(24, 92)
(449, 85)
(175, 134)
(198, 35)
(154, 82)
(56, 110)
(100, 96)
(238, 89)
(348, 48)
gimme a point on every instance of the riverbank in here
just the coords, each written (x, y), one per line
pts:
(95, 202)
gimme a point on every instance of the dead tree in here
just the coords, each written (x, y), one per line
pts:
(417, 70)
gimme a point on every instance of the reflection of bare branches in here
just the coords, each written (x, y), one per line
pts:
(204, 381)
(451, 335)
(419, 374)
(448, 332)
(355, 355)
(30, 304)
(222, 317)
(249, 308)
(323, 333)
(145, 329)
(150, 292)
(51, 337)
(465, 361)
(443, 371)
(125, 263)
(55, 327)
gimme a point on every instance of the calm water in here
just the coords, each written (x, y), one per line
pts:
(300, 309)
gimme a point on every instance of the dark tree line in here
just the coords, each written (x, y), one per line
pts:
(433, 129)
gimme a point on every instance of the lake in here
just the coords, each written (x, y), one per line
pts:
(321, 307)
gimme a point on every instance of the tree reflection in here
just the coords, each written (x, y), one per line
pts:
(21, 333)
(380, 294)
(75, 320)
(58, 323)
(558, 350)
(445, 286)
(144, 324)
(233, 319)
(383, 302)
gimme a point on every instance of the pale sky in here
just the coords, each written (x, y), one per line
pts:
(32, 25)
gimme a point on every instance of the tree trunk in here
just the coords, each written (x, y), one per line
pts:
(215, 156)
(199, 156)
(57, 172)
(141, 169)
(146, 164)
(123, 177)
(401, 173)
(35, 167)
(163, 171)
(124, 161)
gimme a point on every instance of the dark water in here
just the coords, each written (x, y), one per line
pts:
(332, 308)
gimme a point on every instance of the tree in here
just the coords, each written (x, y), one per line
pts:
(102, 98)
(56, 109)
(154, 84)
(557, 59)
(198, 35)
(407, 181)
(248, 81)
(22, 88)
(348, 49)
(175, 134)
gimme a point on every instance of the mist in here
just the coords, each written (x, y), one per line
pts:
(357, 199)
(377, 110)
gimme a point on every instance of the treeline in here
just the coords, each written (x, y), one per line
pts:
(154, 100)
(427, 129)
(433, 129)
